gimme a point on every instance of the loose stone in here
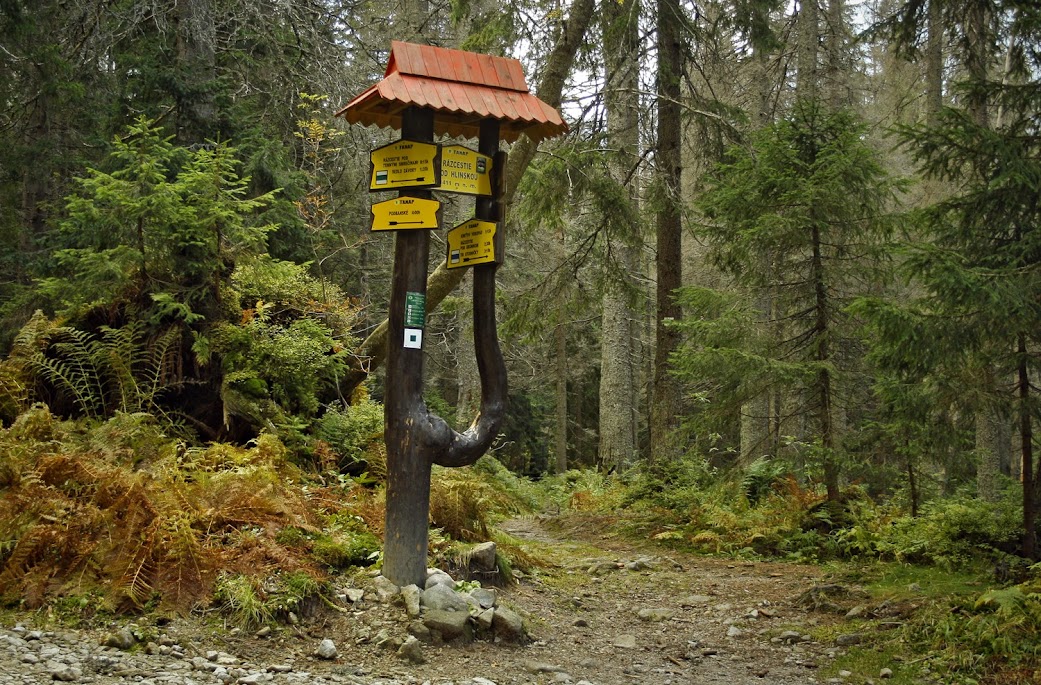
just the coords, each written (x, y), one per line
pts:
(326, 649)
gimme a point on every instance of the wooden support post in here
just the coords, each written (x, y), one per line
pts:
(408, 465)
(415, 438)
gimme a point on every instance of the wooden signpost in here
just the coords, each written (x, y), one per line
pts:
(421, 94)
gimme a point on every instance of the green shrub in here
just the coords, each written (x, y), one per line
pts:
(955, 532)
(676, 485)
(341, 549)
(350, 431)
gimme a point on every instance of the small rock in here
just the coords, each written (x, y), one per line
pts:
(540, 667)
(761, 673)
(709, 651)
(734, 631)
(385, 589)
(845, 674)
(485, 619)
(581, 623)
(451, 624)
(354, 594)
(849, 640)
(264, 632)
(440, 597)
(29, 658)
(411, 594)
(326, 649)
(121, 639)
(482, 681)
(625, 642)
(885, 673)
(695, 600)
(482, 557)
(412, 650)
(280, 668)
(914, 587)
(486, 598)
(65, 673)
(508, 625)
(438, 577)
(655, 614)
(856, 612)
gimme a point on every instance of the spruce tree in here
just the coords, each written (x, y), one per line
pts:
(809, 193)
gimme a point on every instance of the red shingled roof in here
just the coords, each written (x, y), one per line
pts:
(462, 87)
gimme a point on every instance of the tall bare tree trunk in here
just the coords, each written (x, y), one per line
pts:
(665, 402)
(806, 85)
(197, 58)
(836, 76)
(1026, 432)
(755, 435)
(824, 385)
(617, 375)
(934, 63)
(987, 452)
(560, 366)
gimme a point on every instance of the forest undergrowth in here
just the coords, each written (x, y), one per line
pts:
(114, 517)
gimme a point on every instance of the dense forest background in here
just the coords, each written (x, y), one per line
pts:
(791, 241)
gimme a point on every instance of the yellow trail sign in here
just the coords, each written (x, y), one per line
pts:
(405, 164)
(465, 171)
(471, 242)
(403, 213)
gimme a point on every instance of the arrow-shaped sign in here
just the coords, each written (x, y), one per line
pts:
(403, 213)
(471, 242)
(405, 164)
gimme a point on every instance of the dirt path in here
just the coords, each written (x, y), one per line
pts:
(615, 611)
(604, 610)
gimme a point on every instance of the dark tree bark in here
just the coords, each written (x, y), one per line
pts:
(665, 401)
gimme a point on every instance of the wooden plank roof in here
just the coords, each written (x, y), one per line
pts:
(461, 87)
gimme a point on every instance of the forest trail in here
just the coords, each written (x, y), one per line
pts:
(614, 610)
(601, 609)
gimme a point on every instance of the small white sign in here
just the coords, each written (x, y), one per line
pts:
(414, 338)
